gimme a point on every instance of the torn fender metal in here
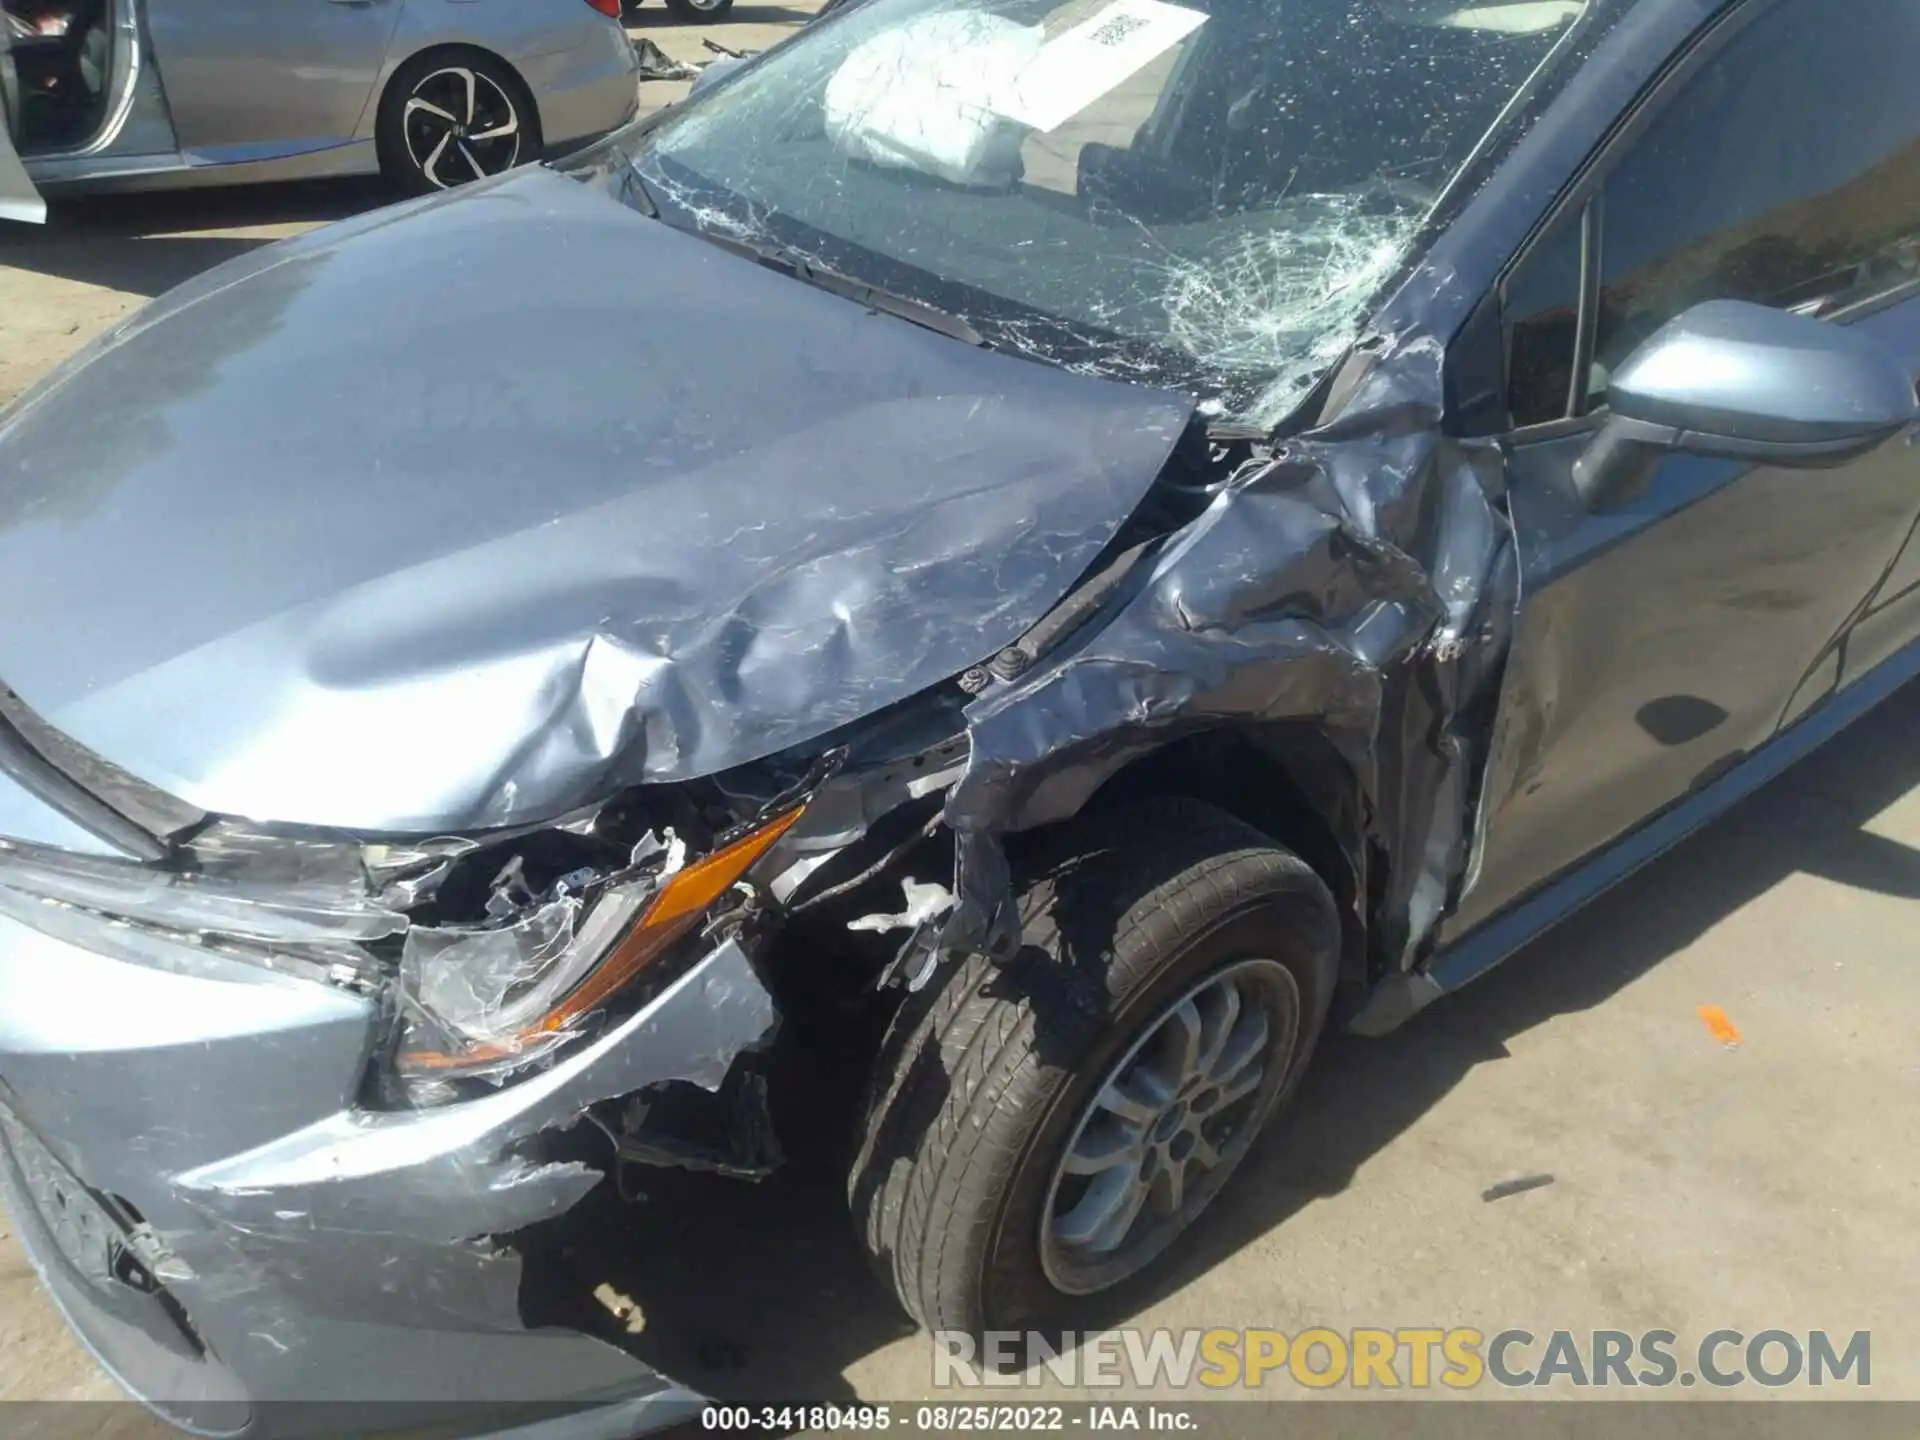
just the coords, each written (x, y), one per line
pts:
(1361, 583)
(683, 514)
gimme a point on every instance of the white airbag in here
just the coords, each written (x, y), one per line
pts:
(920, 96)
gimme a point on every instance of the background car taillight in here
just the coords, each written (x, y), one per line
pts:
(610, 8)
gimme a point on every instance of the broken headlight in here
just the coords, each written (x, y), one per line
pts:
(487, 998)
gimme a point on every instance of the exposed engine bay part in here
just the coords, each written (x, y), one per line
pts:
(679, 1126)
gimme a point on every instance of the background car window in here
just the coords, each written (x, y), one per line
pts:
(1543, 309)
(1786, 173)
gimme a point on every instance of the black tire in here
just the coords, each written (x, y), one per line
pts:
(982, 1077)
(700, 11)
(413, 153)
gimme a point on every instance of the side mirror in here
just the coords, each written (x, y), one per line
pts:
(1741, 382)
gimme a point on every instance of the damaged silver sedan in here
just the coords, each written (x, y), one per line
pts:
(1097, 539)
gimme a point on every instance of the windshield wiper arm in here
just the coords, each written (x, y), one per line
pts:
(861, 292)
(904, 307)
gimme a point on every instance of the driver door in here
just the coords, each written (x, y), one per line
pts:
(1663, 641)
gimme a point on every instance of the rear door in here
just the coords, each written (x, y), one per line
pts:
(1661, 642)
(18, 199)
(250, 79)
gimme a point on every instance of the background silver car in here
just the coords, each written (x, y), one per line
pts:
(148, 93)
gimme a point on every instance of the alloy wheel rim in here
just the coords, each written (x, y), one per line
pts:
(460, 125)
(1168, 1124)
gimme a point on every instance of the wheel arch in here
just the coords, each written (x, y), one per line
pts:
(399, 60)
(1289, 782)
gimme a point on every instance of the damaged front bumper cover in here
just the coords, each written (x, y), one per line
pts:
(249, 1251)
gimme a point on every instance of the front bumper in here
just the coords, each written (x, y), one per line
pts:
(248, 1251)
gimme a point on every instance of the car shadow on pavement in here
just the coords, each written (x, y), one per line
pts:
(756, 1293)
(144, 244)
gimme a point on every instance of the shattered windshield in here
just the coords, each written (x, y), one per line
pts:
(1204, 195)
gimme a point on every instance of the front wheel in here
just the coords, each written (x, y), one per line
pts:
(1047, 1129)
(453, 117)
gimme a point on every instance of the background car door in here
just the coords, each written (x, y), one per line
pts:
(268, 76)
(1660, 642)
(18, 198)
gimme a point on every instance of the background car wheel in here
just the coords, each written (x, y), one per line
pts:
(1048, 1127)
(700, 9)
(454, 116)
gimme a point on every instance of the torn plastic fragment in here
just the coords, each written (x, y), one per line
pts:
(1720, 1026)
(923, 902)
(290, 911)
(656, 64)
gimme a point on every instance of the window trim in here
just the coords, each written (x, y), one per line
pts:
(1873, 304)
(1585, 189)
(1586, 314)
(1593, 257)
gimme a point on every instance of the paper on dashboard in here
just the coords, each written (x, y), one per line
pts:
(1080, 65)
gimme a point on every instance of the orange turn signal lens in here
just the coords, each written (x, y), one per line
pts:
(686, 896)
(674, 911)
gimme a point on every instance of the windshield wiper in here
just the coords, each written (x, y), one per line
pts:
(861, 292)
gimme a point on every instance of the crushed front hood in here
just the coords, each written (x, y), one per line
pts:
(473, 510)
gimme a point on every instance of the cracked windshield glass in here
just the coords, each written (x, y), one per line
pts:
(1203, 195)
